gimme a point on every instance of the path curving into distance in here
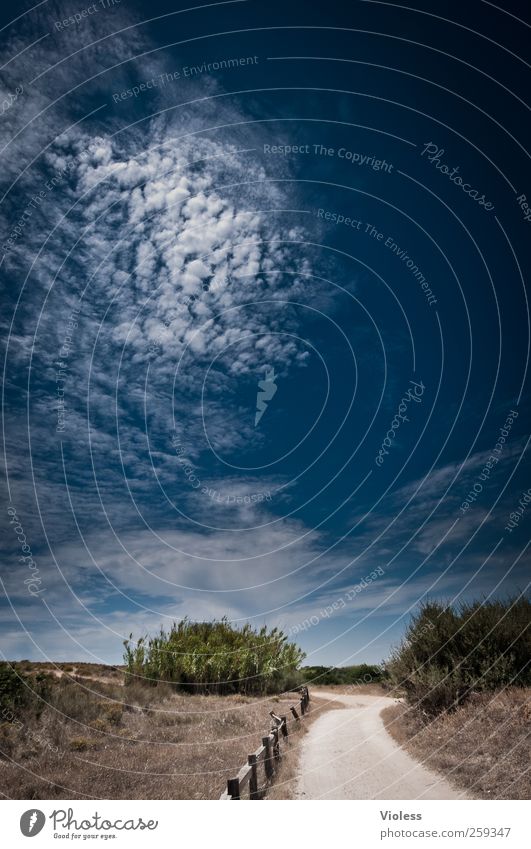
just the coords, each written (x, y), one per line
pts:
(348, 754)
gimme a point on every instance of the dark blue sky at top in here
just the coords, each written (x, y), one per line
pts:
(122, 538)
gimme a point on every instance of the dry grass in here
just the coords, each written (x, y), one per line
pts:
(96, 739)
(98, 671)
(484, 746)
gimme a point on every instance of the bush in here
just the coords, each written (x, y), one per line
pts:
(20, 690)
(363, 673)
(448, 653)
(13, 692)
(214, 657)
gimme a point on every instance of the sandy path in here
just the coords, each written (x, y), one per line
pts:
(348, 754)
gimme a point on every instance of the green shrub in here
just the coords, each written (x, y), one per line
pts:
(13, 692)
(20, 690)
(362, 673)
(448, 653)
(214, 657)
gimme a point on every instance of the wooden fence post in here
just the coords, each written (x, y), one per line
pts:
(294, 712)
(268, 765)
(233, 788)
(284, 726)
(253, 781)
(276, 747)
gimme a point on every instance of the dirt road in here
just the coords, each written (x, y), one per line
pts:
(348, 754)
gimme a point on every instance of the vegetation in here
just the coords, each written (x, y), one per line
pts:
(18, 690)
(449, 653)
(483, 746)
(95, 737)
(12, 689)
(329, 675)
(215, 657)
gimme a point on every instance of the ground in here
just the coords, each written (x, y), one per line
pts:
(93, 737)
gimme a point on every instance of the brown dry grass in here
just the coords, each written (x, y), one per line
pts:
(96, 739)
(78, 668)
(484, 746)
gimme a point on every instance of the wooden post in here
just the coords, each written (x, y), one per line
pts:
(233, 788)
(294, 712)
(284, 726)
(253, 781)
(268, 765)
(303, 706)
(276, 748)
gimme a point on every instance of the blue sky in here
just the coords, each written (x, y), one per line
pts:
(197, 198)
